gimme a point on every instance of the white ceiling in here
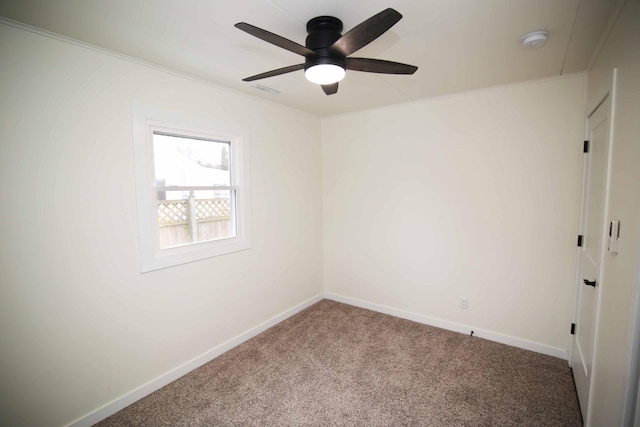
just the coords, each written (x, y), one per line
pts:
(458, 45)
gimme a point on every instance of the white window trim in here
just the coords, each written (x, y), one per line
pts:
(146, 120)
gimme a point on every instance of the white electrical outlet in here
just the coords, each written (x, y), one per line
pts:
(464, 303)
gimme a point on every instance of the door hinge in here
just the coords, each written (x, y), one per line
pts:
(579, 240)
(573, 329)
(585, 147)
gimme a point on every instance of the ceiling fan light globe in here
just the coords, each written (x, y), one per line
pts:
(324, 74)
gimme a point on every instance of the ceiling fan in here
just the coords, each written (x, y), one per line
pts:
(326, 50)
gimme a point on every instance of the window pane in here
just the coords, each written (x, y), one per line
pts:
(185, 218)
(184, 161)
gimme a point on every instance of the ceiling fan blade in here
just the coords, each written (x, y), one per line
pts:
(366, 32)
(275, 39)
(330, 89)
(370, 65)
(274, 73)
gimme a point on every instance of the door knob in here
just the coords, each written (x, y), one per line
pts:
(589, 283)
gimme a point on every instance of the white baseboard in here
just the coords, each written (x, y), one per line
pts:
(453, 326)
(164, 379)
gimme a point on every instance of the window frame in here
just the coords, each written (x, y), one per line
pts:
(146, 121)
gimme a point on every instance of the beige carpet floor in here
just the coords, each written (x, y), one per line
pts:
(337, 365)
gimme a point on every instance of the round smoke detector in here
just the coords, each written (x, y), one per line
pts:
(535, 39)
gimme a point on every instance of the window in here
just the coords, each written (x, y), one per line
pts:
(191, 188)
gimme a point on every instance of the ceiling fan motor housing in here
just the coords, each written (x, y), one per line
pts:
(323, 31)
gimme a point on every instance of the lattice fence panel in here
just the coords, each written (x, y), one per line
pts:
(208, 209)
(175, 212)
(172, 212)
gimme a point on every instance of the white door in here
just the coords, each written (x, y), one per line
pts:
(593, 230)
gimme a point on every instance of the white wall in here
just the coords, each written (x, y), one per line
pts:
(474, 195)
(79, 325)
(619, 289)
